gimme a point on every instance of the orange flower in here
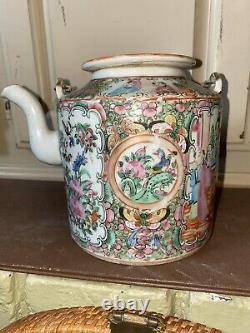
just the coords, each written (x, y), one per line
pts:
(93, 216)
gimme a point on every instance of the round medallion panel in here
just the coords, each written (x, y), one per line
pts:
(146, 171)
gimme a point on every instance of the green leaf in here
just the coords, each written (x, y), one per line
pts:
(121, 175)
(108, 194)
(110, 239)
(176, 239)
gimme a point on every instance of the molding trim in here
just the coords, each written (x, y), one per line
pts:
(207, 36)
(37, 27)
(235, 180)
(31, 173)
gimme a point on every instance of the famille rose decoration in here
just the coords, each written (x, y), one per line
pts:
(139, 145)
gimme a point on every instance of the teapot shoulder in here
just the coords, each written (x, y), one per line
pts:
(143, 87)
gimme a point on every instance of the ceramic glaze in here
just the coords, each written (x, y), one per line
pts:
(140, 152)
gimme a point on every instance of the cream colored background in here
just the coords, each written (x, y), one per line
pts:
(46, 39)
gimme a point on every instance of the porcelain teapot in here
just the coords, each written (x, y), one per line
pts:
(139, 146)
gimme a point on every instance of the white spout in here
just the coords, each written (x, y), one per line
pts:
(44, 142)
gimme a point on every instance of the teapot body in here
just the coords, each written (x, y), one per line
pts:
(140, 158)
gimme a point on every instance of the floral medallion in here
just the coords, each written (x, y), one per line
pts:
(146, 171)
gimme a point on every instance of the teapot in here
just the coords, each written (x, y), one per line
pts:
(139, 145)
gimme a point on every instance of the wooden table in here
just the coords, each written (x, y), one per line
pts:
(34, 238)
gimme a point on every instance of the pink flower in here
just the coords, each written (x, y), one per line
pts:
(149, 109)
(121, 227)
(109, 215)
(121, 109)
(94, 105)
(137, 167)
(106, 205)
(180, 107)
(142, 247)
(140, 252)
(76, 187)
(76, 208)
(118, 247)
(117, 244)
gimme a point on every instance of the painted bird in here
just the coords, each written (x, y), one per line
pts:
(163, 163)
(127, 88)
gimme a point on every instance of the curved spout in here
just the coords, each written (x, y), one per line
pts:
(44, 142)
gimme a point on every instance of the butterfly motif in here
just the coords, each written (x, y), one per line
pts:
(138, 219)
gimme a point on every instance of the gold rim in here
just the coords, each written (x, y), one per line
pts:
(141, 54)
(137, 59)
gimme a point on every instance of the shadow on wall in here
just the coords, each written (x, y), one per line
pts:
(223, 140)
(4, 127)
(224, 129)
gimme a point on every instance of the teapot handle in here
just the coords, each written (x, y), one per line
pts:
(62, 87)
(214, 82)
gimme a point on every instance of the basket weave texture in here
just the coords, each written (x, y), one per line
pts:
(89, 320)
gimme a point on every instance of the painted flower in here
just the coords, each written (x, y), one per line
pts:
(141, 245)
(121, 109)
(88, 140)
(149, 109)
(76, 208)
(80, 160)
(93, 217)
(180, 107)
(135, 166)
(109, 214)
(140, 251)
(155, 242)
(75, 186)
(122, 226)
(117, 244)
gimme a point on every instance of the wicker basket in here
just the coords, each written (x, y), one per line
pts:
(96, 320)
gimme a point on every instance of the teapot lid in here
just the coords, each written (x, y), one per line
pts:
(140, 59)
(142, 64)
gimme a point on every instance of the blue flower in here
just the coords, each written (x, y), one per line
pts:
(80, 160)
(71, 141)
(155, 242)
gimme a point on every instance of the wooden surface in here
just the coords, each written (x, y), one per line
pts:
(35, 238)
